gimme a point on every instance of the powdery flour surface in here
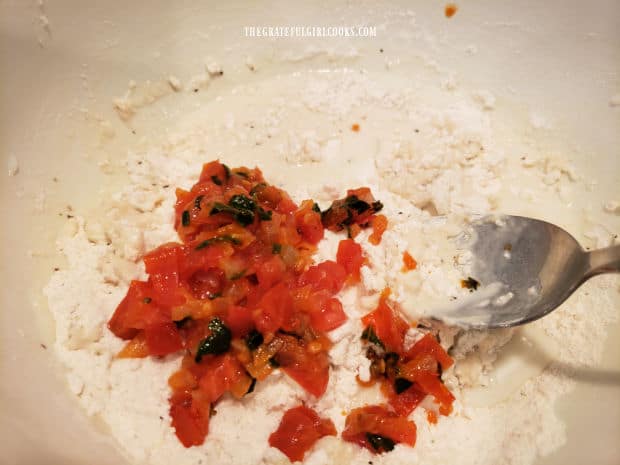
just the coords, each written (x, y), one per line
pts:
(420, 161)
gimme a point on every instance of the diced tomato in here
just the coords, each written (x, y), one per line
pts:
(308, 222)
(190, 418)
(270, 272)
(327, 275)
(378, 420)
(163, 339)
(429, 345)
(214, 169)
(274, 310)
(350, 256)
(389, 327)
(299, 429)
(379, 226)
(239, 320)
(222, 372)
(309, 370)
(136, 311)
(409, 262)
(405, 402)
(330, 315)
(431, 384)
(164, 259)
(207, 284)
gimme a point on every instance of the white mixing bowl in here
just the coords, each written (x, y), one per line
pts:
(64, 61)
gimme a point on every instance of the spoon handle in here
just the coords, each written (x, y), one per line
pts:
(605, 260)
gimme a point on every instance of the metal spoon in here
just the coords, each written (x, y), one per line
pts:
(525, 268)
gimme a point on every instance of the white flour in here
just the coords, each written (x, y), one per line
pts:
(420, 160)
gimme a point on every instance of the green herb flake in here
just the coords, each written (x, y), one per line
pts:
(264, 215)
(254, 339)
(380, 443)
(185, 218)
(252, 386)
(276, 248)
(356, 204)
(197, 202)
(147, 300)
(236, 276)
(217, 181)
(470, 283)
(257, 188)
(316, 207)
(213, 240)
(226, 171)
(218, 342)
(401, 385)
(370, 336)
(181, 323)
(274, 363)
(243, 174)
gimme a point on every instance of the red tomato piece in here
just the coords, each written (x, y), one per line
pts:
(378, 420)
(163, 339)
(207, 284)
(309, 370)
(275, 310)
(327, 275)
(221, 373)
(405, 402)
(239, 320)
(270, 272)
(190, 419)
(389, 327)
(429, 345)
(350, 256)
(330, 315)
(431, 384)
(308, 222)
(136, 311)
(214, 169)
(379, 226)
(299, 429)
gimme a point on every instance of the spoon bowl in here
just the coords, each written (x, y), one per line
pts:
(523, 268)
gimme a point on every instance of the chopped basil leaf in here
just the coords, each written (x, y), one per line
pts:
(241, 202)
(254, 339)
(258, 187)
(370, 336)
(252, 386)
(273, 362)
(380, 443)
(238, 275)
(377, 206)
(218, 342)
(401, 385)
(183, 322)
(226, 171)
(147, 300)
(185, 218)
(264, 215)
(243, 174)
(356, 204)
(316, 207)
(470, 283)
(217, 181)
(213, 240)
(197, 202)
(276, 248)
